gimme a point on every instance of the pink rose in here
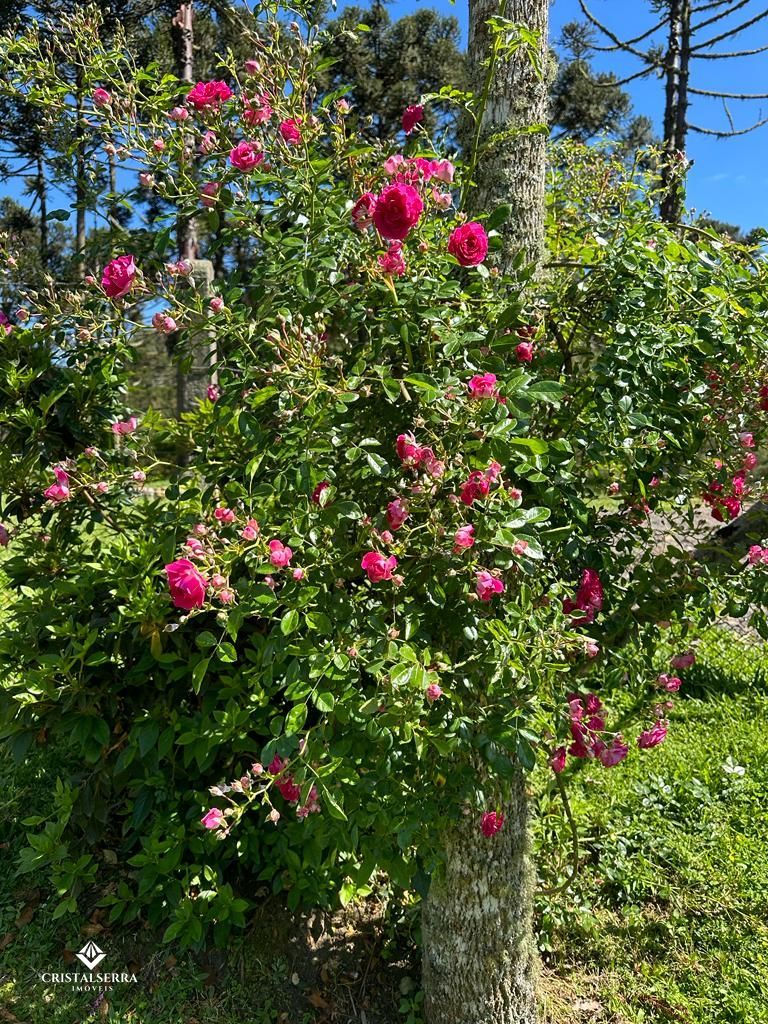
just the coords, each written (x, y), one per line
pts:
(216, 304)
(652, 737)
(290, 132)
(257, 110)
(163, 323)
(226, 596)
(750, 459)
(250, 531)
(610, 756)
(298, 574)
(469, 244)
(179, 114)
(362, 211)
(378, 567)
(392, 262)
(463, 538)
(397, 513)
(317, 495)
(488, 586)
(213, 819)
(252, 66)
(412, 116)
(683, 661)
(433, 693)
(101, 98)
(746, 440)
(213, 393)
(279, 554)
(246, 156)
(186, 583)
(407, 448)
(398, 208)
(524, 352)
(669, 683)
(209, 193)
(443, 200)
(224, 515)
(557, 760)
(483, 386)
(208, 143)
(393, 164)
(478, 484)
(124, 427)
(146, 180)
(118, 277)
(208, 95)
(444, 171)
(519, 547)
(491, 823)
(60, 490)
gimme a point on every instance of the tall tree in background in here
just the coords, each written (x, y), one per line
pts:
(389, 65)
(585, 103)
(690, 30)
(479, 950)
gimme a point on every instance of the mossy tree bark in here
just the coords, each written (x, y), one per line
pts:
(480, 960)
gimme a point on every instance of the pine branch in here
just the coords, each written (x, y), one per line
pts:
(729, 95)
(731, 32)
(717, 17)
(724, 56)
(630, 78)
(728, 134)
(620, 44)
(638, 39)
(709, 6)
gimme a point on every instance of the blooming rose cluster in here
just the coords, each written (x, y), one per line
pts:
(588, 600)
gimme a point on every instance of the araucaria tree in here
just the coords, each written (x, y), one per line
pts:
(683, 32)
(410, 539)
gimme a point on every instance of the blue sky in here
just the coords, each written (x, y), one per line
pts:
(730, 176)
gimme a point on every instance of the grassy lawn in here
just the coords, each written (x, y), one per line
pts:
(667, 919)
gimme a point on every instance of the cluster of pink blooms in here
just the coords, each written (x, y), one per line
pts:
(418, 456)
(478, 484)
(588, 600)
(757, 555)
(290, 790)
(124, 427)
(588, 735)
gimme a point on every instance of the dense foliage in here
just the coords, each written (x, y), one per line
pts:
(412, 513)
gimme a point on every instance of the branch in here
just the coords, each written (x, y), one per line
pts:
(722, 56)
(574, 844)
(729, 134)
(709, 6)
(630, 78)
(729, 95)
(717, 17)
(639, 39)
(731, 31)
(620, 45)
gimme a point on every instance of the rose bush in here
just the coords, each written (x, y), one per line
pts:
(391, 555)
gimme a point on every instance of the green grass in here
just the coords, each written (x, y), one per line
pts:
(667, 920)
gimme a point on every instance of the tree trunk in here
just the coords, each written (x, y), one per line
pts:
(513, 170)
(676, 108)
(479, 957)
(80, 182)
(42, 196)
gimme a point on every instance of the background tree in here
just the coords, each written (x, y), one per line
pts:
(389, 65)
(686, 32)
(585, 103)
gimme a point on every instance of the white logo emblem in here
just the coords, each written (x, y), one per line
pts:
(90, 955)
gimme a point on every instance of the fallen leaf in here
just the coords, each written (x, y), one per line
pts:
(318, 1001)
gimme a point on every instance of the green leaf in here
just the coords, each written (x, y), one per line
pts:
(198, 674)
(498, 217)
(335, 810)
(289, 622)
(324, 701)
(295, 719)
